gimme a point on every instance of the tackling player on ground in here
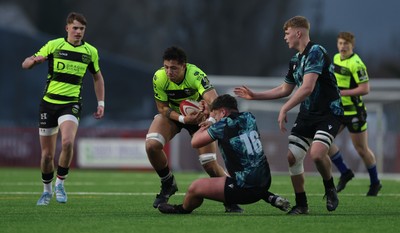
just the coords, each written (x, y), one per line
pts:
(240, 146)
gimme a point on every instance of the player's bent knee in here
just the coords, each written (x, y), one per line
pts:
(298, 167)
(299, 147)
(47, 158)
(207, 157)
(194, 188)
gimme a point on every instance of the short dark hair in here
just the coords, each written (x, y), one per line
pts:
(347, 36)
(76, 16)
(175, 53)
(224, 101)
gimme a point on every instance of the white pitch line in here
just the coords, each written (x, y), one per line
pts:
(178, 194)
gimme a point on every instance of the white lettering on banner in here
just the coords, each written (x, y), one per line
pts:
(112, 153)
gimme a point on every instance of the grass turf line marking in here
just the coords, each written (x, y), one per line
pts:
(178, 194)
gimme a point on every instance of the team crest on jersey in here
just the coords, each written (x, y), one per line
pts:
(205, 82)
(86, 58)
(362, 75)
(75, 109)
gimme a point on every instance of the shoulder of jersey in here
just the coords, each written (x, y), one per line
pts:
(160, 75)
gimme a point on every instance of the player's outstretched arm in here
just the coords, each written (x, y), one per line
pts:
(278, 92)
(31, 61)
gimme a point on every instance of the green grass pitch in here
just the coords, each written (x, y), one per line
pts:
(121, 201)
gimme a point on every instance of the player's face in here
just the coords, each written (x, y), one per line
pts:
(75, 31)
(345, 48)
(174, 70)
(291, 37)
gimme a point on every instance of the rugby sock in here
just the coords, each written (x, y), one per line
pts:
(301, 199)
(268, 197)
(328, 184)
(337, 159)
(373, 174)
(62, 174)
(47, 179)
(164, 173)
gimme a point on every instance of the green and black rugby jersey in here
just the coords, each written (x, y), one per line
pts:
(193, 86)
(349, 73)
(67, 66)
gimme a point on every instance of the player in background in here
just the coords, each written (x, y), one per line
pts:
(60, 109)
(320, 114)
(240, 146)
(176, 81)
(352, 78)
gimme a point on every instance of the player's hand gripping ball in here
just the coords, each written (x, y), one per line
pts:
(189, 107)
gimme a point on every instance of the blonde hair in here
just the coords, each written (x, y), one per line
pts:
(297, 22)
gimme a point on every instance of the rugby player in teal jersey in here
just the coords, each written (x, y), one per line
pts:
(176, 81)
(318, 121)
(241, 148)
(68, 59)
(353, 81)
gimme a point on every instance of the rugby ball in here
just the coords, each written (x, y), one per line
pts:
(188, 107)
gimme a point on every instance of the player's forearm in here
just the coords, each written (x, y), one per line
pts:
(275, 93)
(28, 63)
(99, 88)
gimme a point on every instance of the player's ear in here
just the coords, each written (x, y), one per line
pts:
(224, 112)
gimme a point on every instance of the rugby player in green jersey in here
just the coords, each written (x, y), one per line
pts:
(176, 81)
(352, 78)
(60, 109)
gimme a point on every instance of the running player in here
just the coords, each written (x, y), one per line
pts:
(60, 109)
(352, 78)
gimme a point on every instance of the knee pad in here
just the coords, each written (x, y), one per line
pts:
(324, 138)
(299, 147)
(156, 136)
(206, 158)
